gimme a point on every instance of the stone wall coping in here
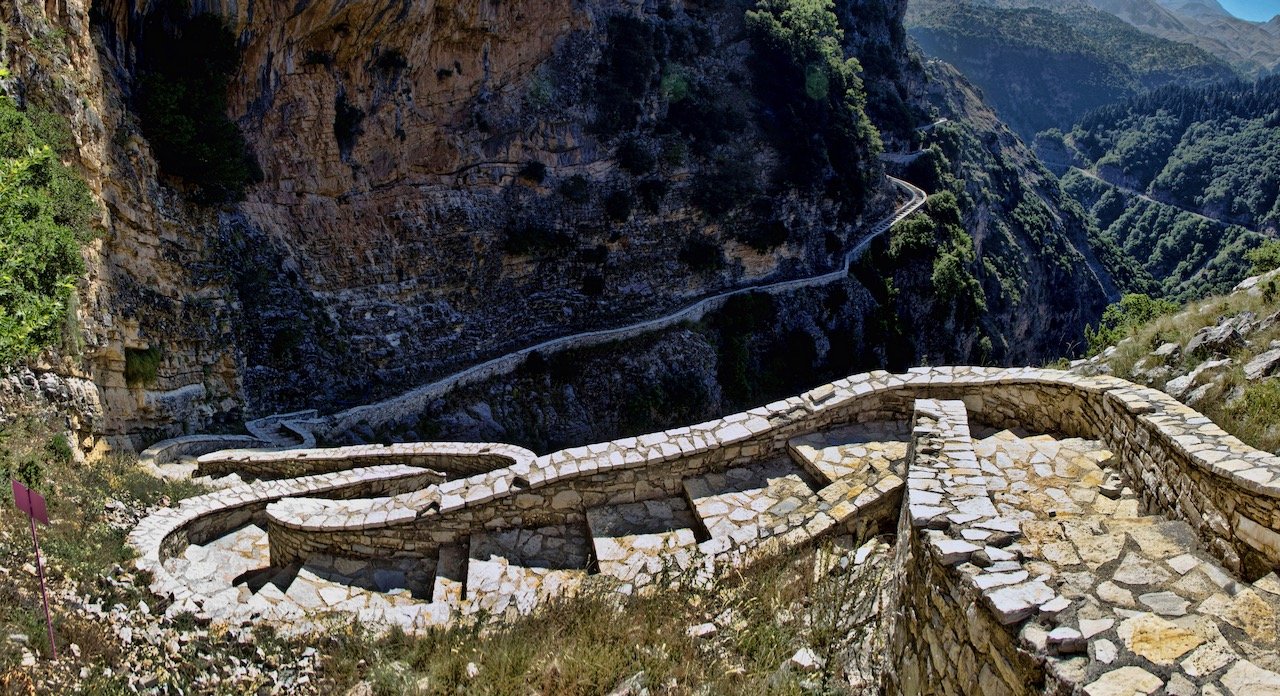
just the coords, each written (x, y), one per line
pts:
(947, 501)
(1182, 428)
(371, 452)
(1169, 425)
(169, 450)
(152, 534)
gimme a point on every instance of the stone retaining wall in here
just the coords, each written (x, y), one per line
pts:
(167, 532)
(948, 635)
(1188, 467)
(455, 459)
(173, 449)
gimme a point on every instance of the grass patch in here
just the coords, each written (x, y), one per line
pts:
(592, 643)
(81, 544)
(141, 366)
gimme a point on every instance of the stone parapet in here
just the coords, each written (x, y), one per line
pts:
(1226, 490)
(454, 459)
(164, 533)
(959, 593)
(173, 449)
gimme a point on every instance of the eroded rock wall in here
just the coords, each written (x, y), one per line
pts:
(150, 281)
(409, 150)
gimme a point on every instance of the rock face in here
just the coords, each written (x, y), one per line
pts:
(151, 282)
(372, 258)
(444, 182)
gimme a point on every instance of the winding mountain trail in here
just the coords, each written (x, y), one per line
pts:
(1149, 199)
(293, 430)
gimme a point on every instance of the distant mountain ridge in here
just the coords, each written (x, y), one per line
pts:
(1252, 48)
(1046, 67)
(1196, 8)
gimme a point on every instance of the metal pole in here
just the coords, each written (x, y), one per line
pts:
(48, 621)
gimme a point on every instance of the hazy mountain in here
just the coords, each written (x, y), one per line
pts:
(1252, 48)
(1197, 8)
(1043, 69)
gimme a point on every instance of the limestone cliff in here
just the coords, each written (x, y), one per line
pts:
(404, 146)
(151, 280)
(445, 181)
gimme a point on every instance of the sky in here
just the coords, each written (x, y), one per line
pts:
(1256, 10)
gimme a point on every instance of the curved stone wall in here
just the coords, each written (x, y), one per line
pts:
(171, 450)
(167, 532)
(1188, 467)
(454, 459)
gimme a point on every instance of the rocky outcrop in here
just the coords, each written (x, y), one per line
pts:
(151, 281)
(1224, 356)
(442, 183)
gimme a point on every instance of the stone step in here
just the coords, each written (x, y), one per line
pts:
(863, 449)
(514, 569)
(450, 583)
(343, 584)
(643, 543)
(1037, 476)
(741, 506)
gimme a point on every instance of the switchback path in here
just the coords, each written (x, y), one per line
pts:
(1147, 197)
(284, 429)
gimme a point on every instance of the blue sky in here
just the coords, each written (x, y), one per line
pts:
(1257, 10)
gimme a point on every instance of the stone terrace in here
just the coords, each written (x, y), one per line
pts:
(1087, 535)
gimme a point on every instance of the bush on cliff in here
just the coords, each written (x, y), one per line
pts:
(811, 99)
(185, 64)
(1125, 317)
(44, 217)
(1265, 257)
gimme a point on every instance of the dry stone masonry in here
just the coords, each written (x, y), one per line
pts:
(1056, 533)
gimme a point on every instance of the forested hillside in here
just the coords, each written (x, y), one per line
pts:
(1043, 69)
(1183, 179)
(1187, 255)
(1213, 150)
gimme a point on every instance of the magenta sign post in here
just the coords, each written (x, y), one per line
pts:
(33, 504)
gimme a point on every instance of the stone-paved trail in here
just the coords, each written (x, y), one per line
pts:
(1148, 605)
(642, 546)
(1137, 563)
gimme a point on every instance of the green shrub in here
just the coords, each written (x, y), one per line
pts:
(1265, 257)
(618, 205)
(185, 64)
(811, 98)
(534, 171)
(764, 236)
(141, 366)
(44, 217)
(651, 193)
(628, 69)
(706, 116)
(59, 449)
(702, 254)
(635, 157)
(535, 238)
(730, 184)
(576, 189)
(593, 285)
(1122, 318)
